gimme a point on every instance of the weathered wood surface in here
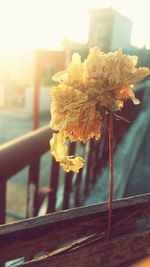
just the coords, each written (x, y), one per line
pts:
(109, 253)
(46, 233)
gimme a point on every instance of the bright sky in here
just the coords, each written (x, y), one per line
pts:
(30, 24)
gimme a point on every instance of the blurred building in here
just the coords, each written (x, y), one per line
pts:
(109, 30)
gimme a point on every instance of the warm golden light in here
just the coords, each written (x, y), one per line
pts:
(31, 24)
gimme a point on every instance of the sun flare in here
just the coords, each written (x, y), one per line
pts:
(31, 24)
(26, 25)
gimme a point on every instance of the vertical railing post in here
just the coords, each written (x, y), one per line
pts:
(32, 192)
(3, 191)
(68, 181)
(54, 178)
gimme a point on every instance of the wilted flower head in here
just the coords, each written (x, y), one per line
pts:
(85, 91)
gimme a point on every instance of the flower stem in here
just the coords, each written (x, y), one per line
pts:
(111, 173)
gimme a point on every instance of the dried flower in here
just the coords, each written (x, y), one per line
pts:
(85, 91)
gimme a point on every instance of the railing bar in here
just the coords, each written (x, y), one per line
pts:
(33, 184)
(3, 192)
(21, 151)
(101, 154)
(33, 238)
(68, 181)
(77, 213)
(77, 186)
(99, 160)
(54, 178)
(89, 167)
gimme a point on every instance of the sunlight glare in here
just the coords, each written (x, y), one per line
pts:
(43, 24)
(32, 24)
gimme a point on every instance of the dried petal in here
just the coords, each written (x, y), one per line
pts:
(59, 150)
(61, 76)
(102, 80)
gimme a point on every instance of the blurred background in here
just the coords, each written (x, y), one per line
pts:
(37, 39)
(30, 27)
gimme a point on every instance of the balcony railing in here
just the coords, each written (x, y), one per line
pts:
(27, 151)
(46, 236)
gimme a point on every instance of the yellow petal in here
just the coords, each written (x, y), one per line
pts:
(84, 124)
(58, 147)
(61, 76)
(73, 164)
(103, 80)
(135, 101)
(59, 150)
(138, 75)
(125, 92)
(75, 70)
(66, 103)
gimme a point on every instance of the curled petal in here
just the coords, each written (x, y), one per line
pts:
(59, 150)
(135, 101)
(125, 92)
(61, 76)
(73, 164)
